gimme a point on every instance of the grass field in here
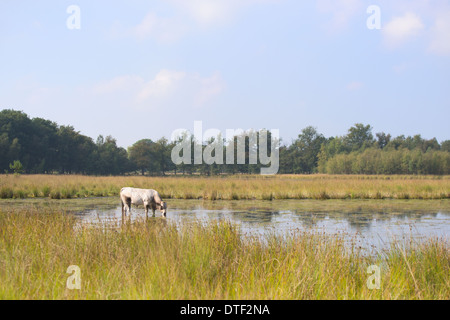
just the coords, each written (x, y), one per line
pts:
(155, 260)
(232, 187)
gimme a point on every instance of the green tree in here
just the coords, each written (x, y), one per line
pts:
(16, 167)
(162, 150)
(18, 129)
(359, 137)
(143, 156)
(383, 139)
(306, 150)
(66, 150)
(111, 159)
(329, 148)
(445, 145)
(44, 146)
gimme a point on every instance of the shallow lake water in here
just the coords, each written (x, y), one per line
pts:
(372, 225)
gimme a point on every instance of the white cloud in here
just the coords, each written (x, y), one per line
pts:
(167, 89)
(402, 29)
(162, 85)
(402, 21)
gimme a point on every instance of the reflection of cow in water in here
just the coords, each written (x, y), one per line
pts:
(149, 198)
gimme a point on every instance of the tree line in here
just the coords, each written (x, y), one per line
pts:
(359, 152)
(41, 146)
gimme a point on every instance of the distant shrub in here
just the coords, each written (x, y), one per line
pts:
(55, 195)
(46, 191)
(6, 193)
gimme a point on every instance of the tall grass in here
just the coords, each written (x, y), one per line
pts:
(232, 187)
(156, 260)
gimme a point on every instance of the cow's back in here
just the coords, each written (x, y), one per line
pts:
(138, 196)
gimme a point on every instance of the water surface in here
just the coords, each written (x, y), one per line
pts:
(372, 225)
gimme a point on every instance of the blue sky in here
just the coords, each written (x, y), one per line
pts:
(142, 69)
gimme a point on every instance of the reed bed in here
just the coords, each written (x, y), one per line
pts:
(236, 187)
(156, 260)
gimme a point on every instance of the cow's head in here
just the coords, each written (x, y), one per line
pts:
(163, 208)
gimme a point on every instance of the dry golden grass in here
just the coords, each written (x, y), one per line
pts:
(232, 187)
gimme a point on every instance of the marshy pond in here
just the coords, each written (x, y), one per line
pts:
(372, 225)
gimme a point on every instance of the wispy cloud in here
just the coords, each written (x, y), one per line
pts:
(440, 34)
(340, 12)
(411, 20)
(402, 29)
(208, 88)
(186, 17)
(163, 29)
(403, 21)
(168, 88)
(213, 12)
(120, 83)
(163, 85)
(355, 85)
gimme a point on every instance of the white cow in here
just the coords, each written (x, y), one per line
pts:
(149, 198)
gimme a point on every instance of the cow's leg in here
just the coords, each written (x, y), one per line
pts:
(153, 208)
(146, 205)
(127, 209)
(123, 210)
